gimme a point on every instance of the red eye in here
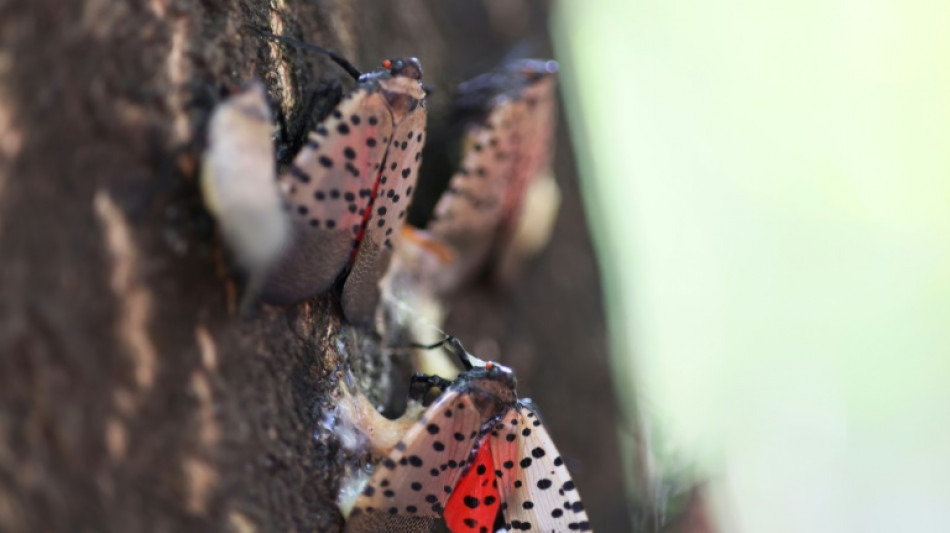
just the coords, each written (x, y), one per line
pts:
(387, 64)
(489, 365)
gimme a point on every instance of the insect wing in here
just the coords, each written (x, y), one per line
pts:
(410, 487)
(393, 194)
(327, 190)
(503, 154)
(401, 173)
(534, 140)
(474, 503)
(536, 489)
(469, 209)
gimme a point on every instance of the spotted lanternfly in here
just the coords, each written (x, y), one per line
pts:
(507, 146)
(476, 450)
(348, 189)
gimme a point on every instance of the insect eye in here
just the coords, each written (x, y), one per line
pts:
(387, 64)
(489, 365)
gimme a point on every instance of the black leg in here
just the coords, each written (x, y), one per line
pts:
(425, 388)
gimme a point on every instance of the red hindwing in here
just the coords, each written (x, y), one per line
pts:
(474, 503)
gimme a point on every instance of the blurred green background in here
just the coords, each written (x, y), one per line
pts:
(769, 185)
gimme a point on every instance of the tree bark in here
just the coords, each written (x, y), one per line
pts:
(132, 396)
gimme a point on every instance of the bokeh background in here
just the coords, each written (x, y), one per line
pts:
(768, 186)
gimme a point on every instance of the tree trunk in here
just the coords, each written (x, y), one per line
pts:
(132, 396)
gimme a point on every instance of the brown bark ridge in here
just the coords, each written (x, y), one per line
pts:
(132, 397)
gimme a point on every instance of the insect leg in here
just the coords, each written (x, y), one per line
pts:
(426, 388)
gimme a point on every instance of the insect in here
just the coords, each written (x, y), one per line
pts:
(507, 147)
(348, 189)
(237, 182)
(476, 450)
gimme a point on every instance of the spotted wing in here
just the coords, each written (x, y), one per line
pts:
(482, 208)
(410, 487)
(388, 207)
(327, 190)
(533, 137)
(468, 213)
(474, 503)
(536, 489)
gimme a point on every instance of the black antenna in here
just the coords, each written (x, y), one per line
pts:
(455, 345)
(335, 56)
(452, 344)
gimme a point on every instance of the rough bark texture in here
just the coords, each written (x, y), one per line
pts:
(132, 397)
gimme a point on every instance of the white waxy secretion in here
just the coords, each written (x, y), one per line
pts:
(239, 181)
